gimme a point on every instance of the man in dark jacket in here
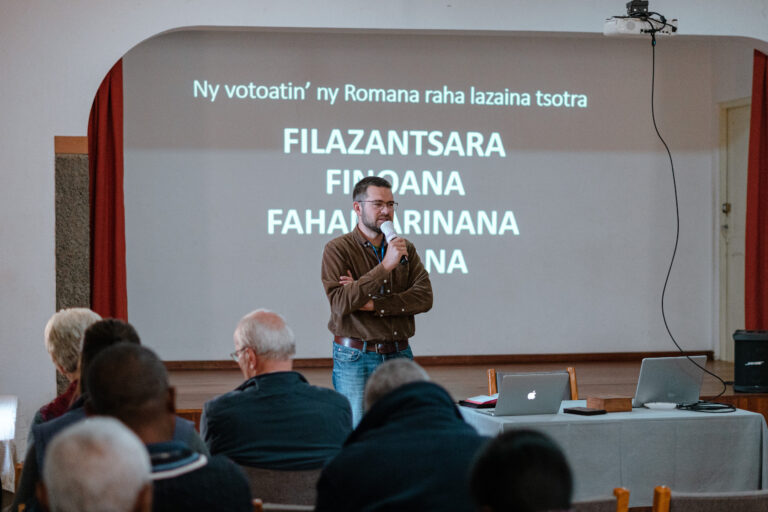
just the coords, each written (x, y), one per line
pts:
(411, 451)
(98, 337)
(130, 383)
(275, 419)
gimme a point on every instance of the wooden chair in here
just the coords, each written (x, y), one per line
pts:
(664, 500)
(259, 506)
(192, 415)
(18, 468)
(618, 503)
(661, 494)
(494, 380)
(277, 486)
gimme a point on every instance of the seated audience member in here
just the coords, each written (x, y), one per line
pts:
(521, 470)
(95, 466)
(275, 419)
(411, 451)
(97, 337)
(63, 339)
(130, 383)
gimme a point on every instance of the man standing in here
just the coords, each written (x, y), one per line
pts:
(374, 288)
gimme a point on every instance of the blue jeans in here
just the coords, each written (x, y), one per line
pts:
(351, 369)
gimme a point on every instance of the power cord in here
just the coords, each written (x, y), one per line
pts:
(652, 32)
(705, 406)
(657, 23)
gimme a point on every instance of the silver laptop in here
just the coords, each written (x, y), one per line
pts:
(669, 379)
(532, 393)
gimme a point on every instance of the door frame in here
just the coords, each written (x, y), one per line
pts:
(723, 338)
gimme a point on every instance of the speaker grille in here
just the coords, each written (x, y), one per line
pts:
(751, 361)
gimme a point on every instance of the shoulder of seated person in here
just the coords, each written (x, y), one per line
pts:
(223, 400)
(330, 394)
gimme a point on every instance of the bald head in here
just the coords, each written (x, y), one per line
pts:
(267, 334)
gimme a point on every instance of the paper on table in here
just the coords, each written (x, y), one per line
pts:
(480, 401)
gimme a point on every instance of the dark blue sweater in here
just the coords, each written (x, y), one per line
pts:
(411, 451)
(277, 421)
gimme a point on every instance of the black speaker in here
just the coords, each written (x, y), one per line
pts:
(751, 366)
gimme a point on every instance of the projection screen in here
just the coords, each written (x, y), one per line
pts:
(527, 170)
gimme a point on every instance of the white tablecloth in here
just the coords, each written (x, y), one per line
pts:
(688, 451)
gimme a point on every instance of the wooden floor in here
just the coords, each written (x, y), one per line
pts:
(193, 387)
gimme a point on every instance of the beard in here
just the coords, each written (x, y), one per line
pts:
(373, 222)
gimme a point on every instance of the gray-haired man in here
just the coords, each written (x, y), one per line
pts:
(275, 419)
(96, 462)
(412, 446)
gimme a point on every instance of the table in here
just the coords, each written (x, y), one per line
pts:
(688, 451)
(8, 406)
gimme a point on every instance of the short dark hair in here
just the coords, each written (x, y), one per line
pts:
(101, 335)
(127, 381)
(361, 187)
(522, 470)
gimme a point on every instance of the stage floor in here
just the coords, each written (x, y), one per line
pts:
(195, 387)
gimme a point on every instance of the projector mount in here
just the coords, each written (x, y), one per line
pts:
(639, 21)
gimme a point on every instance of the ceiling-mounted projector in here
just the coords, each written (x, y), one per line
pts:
(638, 22)
(625, 26)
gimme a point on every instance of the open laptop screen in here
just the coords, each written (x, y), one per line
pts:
(669, 379)
(531, 393)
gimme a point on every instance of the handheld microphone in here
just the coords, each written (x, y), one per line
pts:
(389, 232)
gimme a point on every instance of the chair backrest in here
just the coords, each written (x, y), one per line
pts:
(18, 468)
(260, 506)
(192, 415)
(275, 486)
(569, 393)
(661, 498)
(665, 500)
(286, 507)
(618, 503)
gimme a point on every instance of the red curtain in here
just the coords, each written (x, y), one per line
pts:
(756, 250)
(105, 161)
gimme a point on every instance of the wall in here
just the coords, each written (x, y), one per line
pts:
(53, 56)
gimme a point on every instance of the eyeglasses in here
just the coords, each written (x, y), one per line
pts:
(236, 354)
(379, 205)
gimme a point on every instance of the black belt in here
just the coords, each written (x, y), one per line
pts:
(380, 347)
